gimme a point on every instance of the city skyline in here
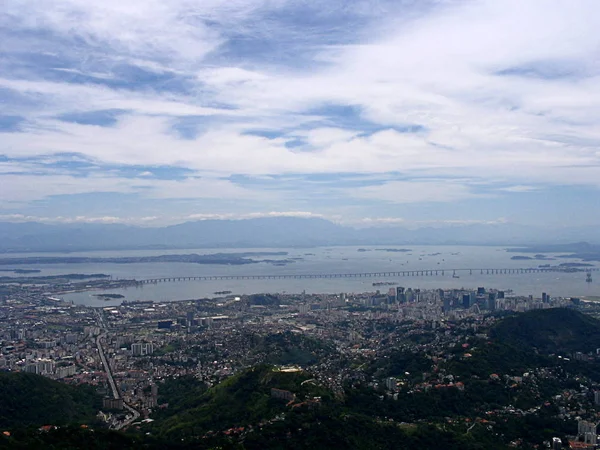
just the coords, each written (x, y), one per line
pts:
(364, 113)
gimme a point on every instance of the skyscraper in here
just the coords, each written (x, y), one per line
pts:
(466, 300)
(491, 302)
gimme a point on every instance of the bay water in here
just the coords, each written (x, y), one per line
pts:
(323, 260)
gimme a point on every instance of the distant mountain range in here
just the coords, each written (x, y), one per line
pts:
(268, 232)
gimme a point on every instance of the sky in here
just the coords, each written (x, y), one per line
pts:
(364, 112)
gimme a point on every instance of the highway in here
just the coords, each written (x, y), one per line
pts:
(111, 381)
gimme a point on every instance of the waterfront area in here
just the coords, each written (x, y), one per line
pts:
(129, 334)
(304, 269)
(130, 350)
(127, 351)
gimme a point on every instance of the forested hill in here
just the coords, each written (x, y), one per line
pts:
(28, 399)
(550, 330)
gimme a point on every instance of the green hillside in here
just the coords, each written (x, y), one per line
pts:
(550, 330)
(75, 437)
(240, 413)
(240, 400)
(28, 399)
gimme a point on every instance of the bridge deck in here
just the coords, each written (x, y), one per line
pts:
(405, 273)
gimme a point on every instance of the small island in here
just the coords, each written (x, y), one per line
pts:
(21, 271)
(192, 258)
(109, 296)
(574, 264)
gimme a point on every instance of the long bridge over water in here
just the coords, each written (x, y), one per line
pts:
(405, 273)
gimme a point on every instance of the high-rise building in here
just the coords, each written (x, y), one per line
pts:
(400, 295)
(391, 295)
(112, 403)
(165, 324)
(391, 383)
(142, 349)
(473, 298)
(466, 301)
(190, 318)
(491, 302)
(556, 444)
(544, 297)
(446, 308)
(587, 431)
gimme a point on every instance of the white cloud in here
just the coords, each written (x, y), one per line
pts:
(79, 219)
(157, 220)
(255, 215)
(27, 187)
(503, 92)
(519, 188)
(68, 97)
(415, 192)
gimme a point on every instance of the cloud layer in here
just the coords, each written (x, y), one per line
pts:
(372, 108)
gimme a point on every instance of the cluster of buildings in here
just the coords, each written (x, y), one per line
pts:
(332, 335)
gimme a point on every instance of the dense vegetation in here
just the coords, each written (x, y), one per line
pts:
(200, 418)
(240, 400)
(550, 330)
(73, 437)
(28, 399)
(292, 348)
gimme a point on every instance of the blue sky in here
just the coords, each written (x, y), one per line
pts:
(363, 112)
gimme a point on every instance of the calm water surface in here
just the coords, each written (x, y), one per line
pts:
(325, 260)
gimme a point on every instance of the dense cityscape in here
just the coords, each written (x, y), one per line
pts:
(343, 341)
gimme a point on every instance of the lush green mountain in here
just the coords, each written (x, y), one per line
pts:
(239, 401)
(240, 413)
(75, 437)
(28, 399)
(550, 330)
(309, 430)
